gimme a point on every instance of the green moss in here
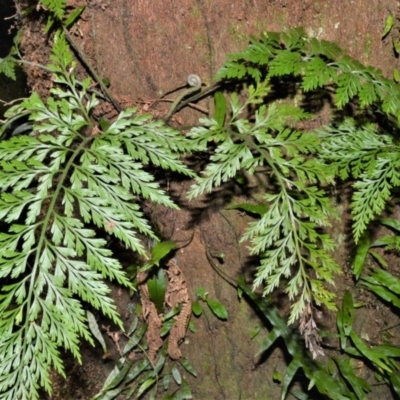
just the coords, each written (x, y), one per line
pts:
(195, 13)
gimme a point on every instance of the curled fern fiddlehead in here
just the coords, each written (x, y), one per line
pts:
(194, 81)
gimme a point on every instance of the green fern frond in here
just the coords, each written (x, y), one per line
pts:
(294, 39)
(318, 74)
(362, 153)
(7, 67)
(352, 149)
(372, 191)
(57, 184)
(55, 6)
(286, 62)
(328, 50)
(318, 63)
(287, 237)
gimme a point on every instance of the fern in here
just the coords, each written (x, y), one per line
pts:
(59, 187)
(57, 7)
(288, 233)
(288, 236)
(7, 64)
(359, 152)
(7, 67)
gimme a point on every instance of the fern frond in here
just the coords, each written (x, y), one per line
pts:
(317, 63)
(286, 62)
(7, 67)
(55, 6)
(57, 185)
(372, 192)
(351, 149)
(287, 237)
(317, 73)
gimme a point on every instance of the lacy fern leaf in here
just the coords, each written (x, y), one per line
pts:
(287, 237)
(61, 186)
(57, 7)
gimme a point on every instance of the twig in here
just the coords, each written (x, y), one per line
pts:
(94, 74)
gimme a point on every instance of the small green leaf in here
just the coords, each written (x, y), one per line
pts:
(386, 280)
(116, 376)
(258, 209)
(157, 287)
(186, 364)
(176, 310)
(145, 386)
(372, 354)
(395, 381)
(396, 49)
(197, 309)
(201, 293)
(396, 75)
(269, 340)
(153, 393)
(73, 16)
(344, 318)
(186, 392)
(104, 124)
(240, 178)
(49, 24)
(192, 327)
(109, 394)
(176, 374)
(379, 258)
(135, 339)
(166, 327)
(218, 309)
(358, 384)
(94, 328)
(133, 326)
(277, 376)
(158, 252)
(220, 108)
(348, 313)
(291, 370)
(299, 395)
(106, 82)
(381, 291)
(391, 223)
(143, 365)
(162, 356)
(388, 25)
(361, 254)
(166, 380)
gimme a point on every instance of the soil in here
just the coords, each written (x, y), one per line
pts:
(146, 50)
